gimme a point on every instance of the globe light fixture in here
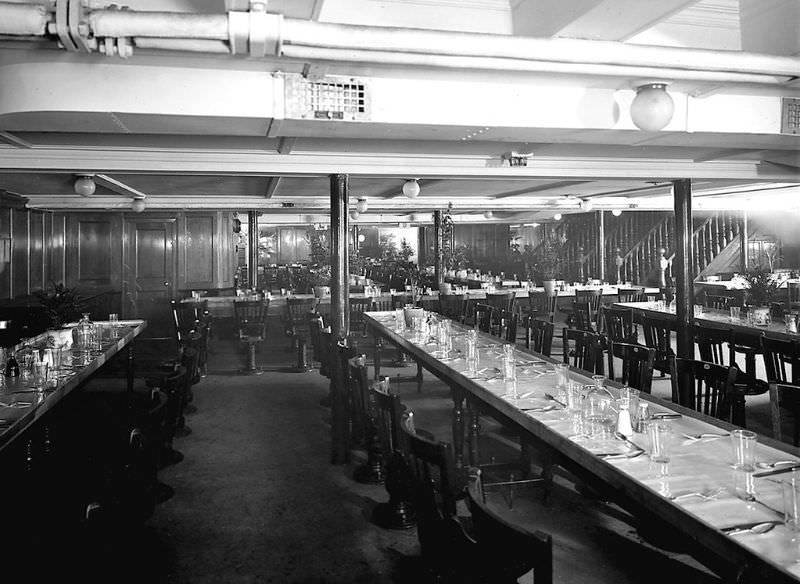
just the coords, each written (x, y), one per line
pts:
(488, 214)
(138, 205)
(557, 216)
(586, 205)
(616, 212)
(361, 238)
(354, 214)
(85, 185)
(411, 188)
(652, 108)
(362, 205)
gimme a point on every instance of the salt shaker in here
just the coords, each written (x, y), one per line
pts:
(624, 426)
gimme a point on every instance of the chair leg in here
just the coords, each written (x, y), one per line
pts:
(251, 369)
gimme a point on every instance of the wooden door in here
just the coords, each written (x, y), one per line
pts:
(150, 273)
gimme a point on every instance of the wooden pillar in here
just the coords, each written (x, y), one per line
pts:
(437, 248)
(339, 322)
(252, 249)
(684, 280)
(601, 246)
(744, 237)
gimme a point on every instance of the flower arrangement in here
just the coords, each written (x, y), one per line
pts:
(762, 285)
(61, 303)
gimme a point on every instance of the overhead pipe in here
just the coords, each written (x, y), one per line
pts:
(278, 36)
(531, 66)
(23, 19)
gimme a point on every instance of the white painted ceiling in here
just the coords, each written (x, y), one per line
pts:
(200, 130)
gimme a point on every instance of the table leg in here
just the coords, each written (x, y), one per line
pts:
(474, 432)
(378, 348)
(419, 377)
(458, 426)
(130, 369)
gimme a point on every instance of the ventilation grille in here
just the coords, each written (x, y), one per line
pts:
(340, 98)
(790, 115)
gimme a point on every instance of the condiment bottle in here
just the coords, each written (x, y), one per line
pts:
(12, 367)
(624, 426)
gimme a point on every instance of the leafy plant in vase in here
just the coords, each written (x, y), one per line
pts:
(548, 265)
(762, 287)
(62, 304)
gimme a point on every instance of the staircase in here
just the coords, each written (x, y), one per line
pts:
(636, 243)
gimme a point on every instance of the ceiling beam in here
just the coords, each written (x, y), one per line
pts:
(727, 153)
(237, 163)
(118, 187)
(272, 186)
(540, 188)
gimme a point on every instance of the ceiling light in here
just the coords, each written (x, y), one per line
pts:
(362, 205)
(411, 188)
(361, 238)
(616, 212)
(557, 216)
(586, 205)
(138, 205)
(84, 185)
(652, 107)
(354, 214)
(488, 214)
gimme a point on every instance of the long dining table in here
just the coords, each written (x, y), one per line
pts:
(666, 497)
(23, 403)
(776, 328)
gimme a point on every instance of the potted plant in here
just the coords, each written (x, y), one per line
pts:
(548, 265)
(61, 303)
(762, 286)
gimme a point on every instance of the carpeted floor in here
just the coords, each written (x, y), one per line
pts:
(257, 500)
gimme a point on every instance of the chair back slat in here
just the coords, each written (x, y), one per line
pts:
(585, 349)
(539, 335)
(637, 364)
(714, 390)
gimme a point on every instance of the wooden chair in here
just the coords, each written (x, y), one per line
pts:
(542, 305)
(505, 326)
(631, 294)
(358, 306)
(435, 490)
(399, 511)
(504, 552)
(716, 344)
(714, 388)
(453, 306)
(296, 318)
(501, 301)
(581, 316)
(618, 324)
(363, 423)
(657, 330)
(585, 348)
(778, 354)
(785, 397)
(401, 300)
(637, 364)
(251, 324)
(484, 317)
(718, 302)
(539, 335)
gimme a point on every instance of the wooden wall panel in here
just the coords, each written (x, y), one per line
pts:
(488, 242)
(55, 239)
(196, 264)
(20, 253)
(37, 251)
(93, 251)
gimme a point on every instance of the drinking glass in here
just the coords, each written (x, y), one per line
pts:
(509, 368)
(40, 369)
(562, 375)
(791, 323)
(573, 396)
(596, 412)
(791, 501)
(660, 441)
(698, 310)
(744, 449)
(399, 320)
(113, 321)
(736, 312)
(744, 484)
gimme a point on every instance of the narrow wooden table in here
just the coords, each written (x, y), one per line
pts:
(635, 483)
(23, 405)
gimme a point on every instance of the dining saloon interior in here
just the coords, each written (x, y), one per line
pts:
(342, 291)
